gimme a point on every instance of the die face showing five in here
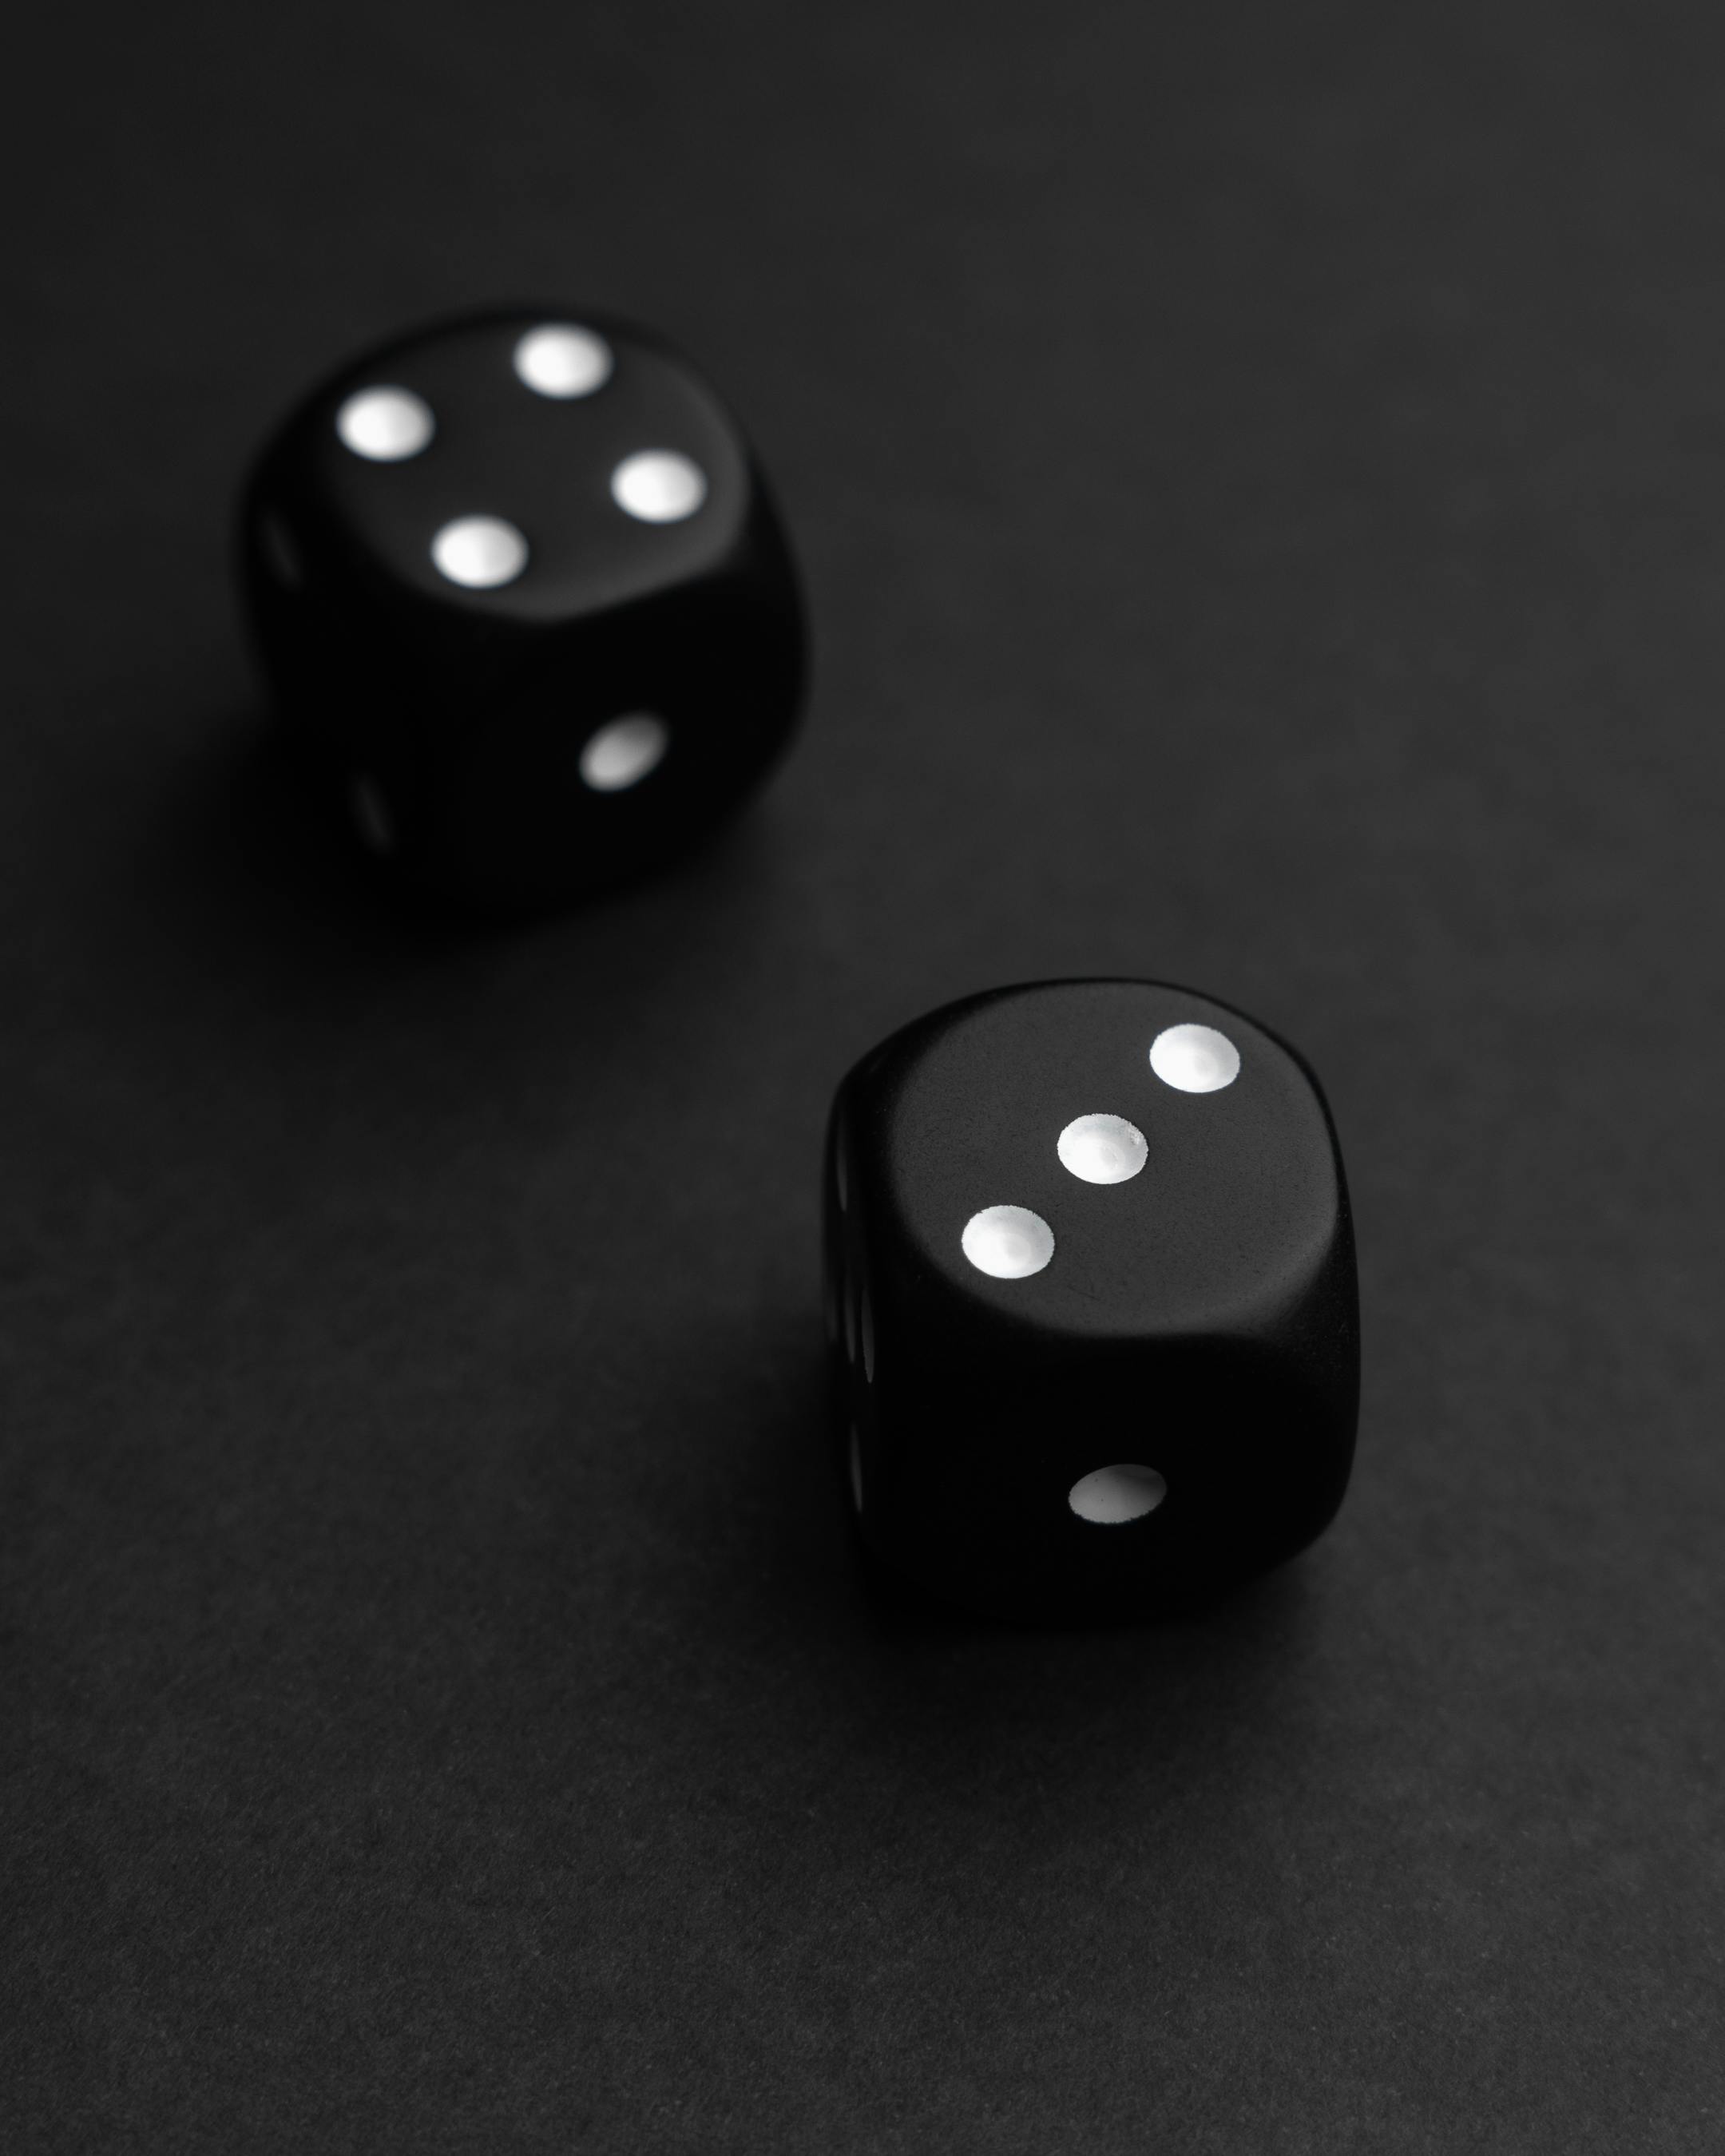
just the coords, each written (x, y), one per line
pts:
(1091, 1294)
(518, 580)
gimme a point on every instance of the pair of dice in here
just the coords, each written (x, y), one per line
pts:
(1091, 1308)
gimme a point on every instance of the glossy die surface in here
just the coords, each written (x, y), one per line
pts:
(518, 585)
(1090, 1299)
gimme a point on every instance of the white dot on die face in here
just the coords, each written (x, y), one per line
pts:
(659, 486)
(479, 552)
(559, 360)
(1102, 1149)
(385, 425)
(1110, 1496)
(1194, 1059)
(622, 754)
(1008, 1242)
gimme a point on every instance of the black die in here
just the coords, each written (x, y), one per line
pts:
(1090, 1299)
(518, 587)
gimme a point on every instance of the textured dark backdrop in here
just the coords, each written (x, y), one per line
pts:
(1261, 473)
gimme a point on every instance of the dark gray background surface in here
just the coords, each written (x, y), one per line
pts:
(1260, 473)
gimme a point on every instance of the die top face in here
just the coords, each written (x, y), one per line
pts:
(1102, 1160)
(534, 467)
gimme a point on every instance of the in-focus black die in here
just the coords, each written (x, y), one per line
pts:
(518, 583)
(1090, 1299)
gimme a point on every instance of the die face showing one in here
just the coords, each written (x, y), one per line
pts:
(1092, 1299)
(518, 582)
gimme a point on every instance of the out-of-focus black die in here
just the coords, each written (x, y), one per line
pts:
(519, 586)
(1090, 1298)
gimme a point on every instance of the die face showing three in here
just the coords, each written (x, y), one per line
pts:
(1091, 1298)
(519, 582)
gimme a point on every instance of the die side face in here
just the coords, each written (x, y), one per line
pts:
(662, 732)
(1116, 1354)
(518, 578)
